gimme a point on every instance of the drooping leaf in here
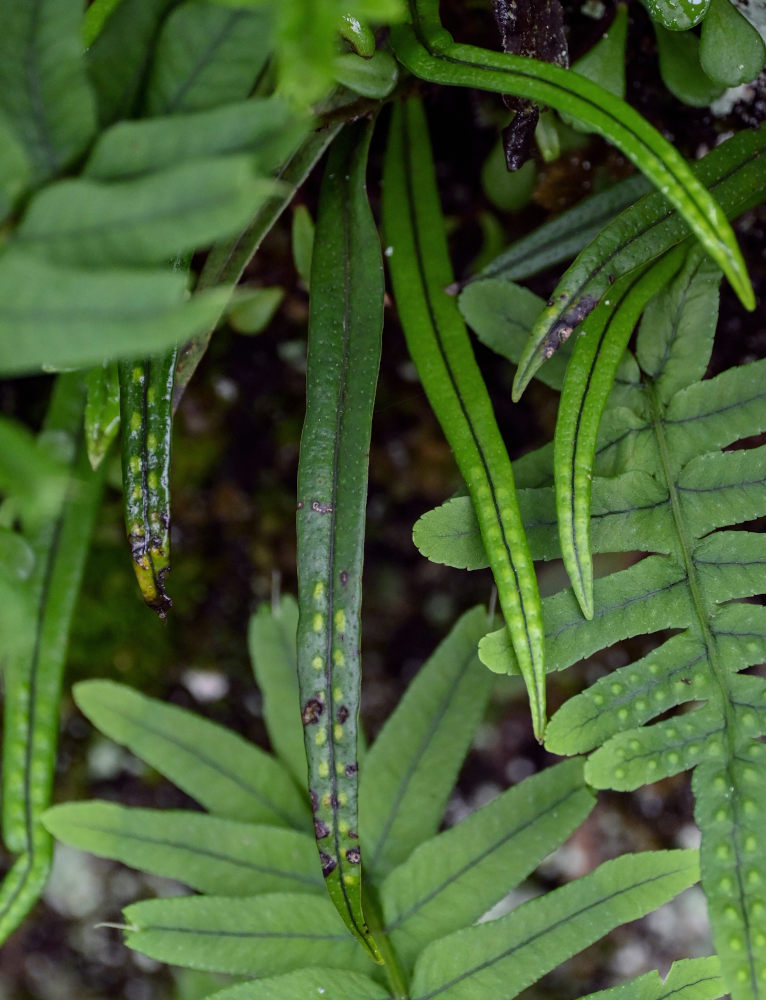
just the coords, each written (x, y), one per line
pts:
(428, 51)
(223, 772)
(441, 350)
(501, 957)
(44, 92)
(310, 983)
(146, 220)
(146, 399)
(60, 317)
(35, 658)
(733, 172)
(345, 327)
(263, 128)
(271, 641)
(206, 55)
(260, 935)
(588, 383)
(410, 769)
(450, 881)
(207, 853)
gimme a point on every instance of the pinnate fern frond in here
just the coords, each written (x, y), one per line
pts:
(667, 484)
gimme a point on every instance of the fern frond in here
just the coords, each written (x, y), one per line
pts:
(675, 495)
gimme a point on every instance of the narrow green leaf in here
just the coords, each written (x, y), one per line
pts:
(439, 345)
(647, 597)
(102, 410)
(271, 641)
(502, 957)
(59, 317)
(264, 128)
(587, 385)
(308, 984)
(345, 325)
(207, 55)
(410, 770)
(207, 853)
(450, 881)
(428, 51)
(223, 772)
(561, 238)
(33, 670)
(44, 92)
(261, 935)
(147, 220)
(689, 979)
(733, 172)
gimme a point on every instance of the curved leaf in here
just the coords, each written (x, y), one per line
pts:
(439, 345)
(734, 172)
(33, 669)
(429, 52)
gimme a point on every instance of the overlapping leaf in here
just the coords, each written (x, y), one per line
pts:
(671, 490)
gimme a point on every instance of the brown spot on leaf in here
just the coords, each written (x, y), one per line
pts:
(343, 577)
(314, 800)
(321, 508)
(354, 855)
(351, 769)
(329, 863)
(311, 711)
(353, 834)
(343, 713)
(321, 829)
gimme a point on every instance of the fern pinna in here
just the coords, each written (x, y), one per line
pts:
(665, 485)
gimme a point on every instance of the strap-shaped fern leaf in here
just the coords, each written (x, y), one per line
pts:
(733, 172)
(428, 51)
(671, 491)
